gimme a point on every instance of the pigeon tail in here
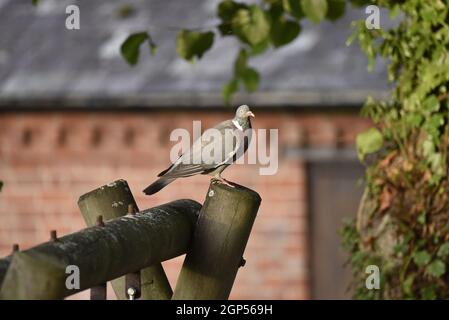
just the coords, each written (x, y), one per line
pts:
(157, 185)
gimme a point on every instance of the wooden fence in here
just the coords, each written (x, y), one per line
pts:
(126, 246)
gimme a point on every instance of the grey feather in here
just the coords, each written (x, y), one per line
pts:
(226, 146)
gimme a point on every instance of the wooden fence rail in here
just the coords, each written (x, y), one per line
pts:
(122, 246)
(132, 247)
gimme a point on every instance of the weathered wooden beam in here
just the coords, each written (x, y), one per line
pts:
(112, 201)
(122, 246)
(220, 237)
(99, 292)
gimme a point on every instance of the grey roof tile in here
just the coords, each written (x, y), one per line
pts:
(41, 61)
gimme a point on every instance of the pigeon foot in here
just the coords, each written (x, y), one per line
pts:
(221, 180)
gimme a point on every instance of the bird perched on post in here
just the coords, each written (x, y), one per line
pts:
(226, 151)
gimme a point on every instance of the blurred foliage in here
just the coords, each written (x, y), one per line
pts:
(191, 44)
(402, 224)
(130, 49)
(257, 27)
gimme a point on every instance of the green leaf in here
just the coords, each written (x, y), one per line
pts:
(394, 11)
(431, 104)
(284, 31)
(436, 164)
(293, 7)
(225, 29)
(413, 119)
(251, 25)
(315, 10)
(248, 75)
(251, 79)
(276, 10)
(422, 218)
(443, 251)
(227, 9)
(130, 49)
(421, 258)
(191, 44)
(368, 142)
(260, 47)
(335, 9)
(229, 89)
(407, 285)
(428, 293)
(240, 63)
(428, 148)
(436, 269)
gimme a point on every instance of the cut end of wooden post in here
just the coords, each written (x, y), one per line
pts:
(242, 191)
(116, 184)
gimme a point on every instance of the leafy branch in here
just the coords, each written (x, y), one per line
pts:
(257, 27)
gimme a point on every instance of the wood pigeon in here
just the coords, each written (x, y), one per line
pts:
(231, 141)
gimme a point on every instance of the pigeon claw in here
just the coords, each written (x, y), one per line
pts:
(221, 180)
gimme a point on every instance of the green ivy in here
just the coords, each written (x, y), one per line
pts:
(407, 176)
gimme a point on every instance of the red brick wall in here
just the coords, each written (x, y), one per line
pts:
(47, 160)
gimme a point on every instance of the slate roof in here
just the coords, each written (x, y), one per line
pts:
(44, 64)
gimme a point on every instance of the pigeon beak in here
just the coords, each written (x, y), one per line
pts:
(250, 114)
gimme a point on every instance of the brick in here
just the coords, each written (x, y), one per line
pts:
(70, 154)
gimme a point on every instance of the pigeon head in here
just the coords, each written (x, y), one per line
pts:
(241, 119)
(243, 112)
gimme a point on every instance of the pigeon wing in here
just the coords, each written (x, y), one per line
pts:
(196, 160)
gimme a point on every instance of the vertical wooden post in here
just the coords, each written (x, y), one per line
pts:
(112, 201)
(219, 240)
(133, 282)
(99, 292)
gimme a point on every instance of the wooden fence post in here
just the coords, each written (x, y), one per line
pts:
(4, 264)
(219, 240)
(112, 201)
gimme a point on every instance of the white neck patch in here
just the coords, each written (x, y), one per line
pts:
(235, 122)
